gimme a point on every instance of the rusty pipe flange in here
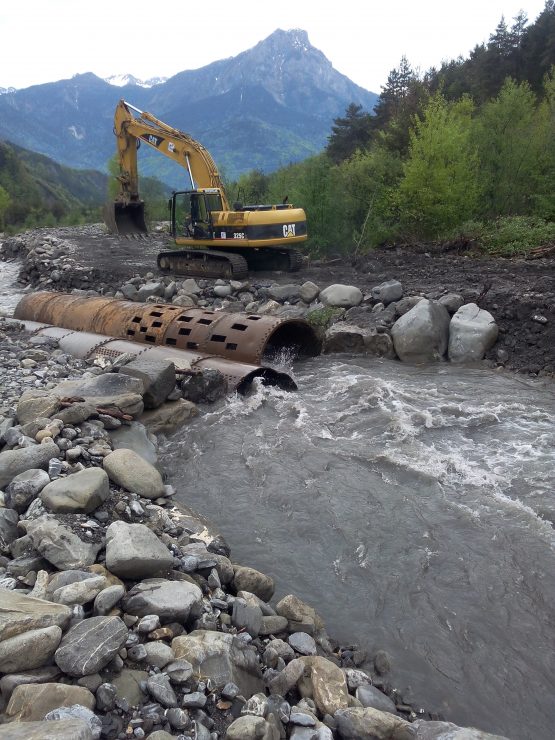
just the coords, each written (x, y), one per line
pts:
(239, 337)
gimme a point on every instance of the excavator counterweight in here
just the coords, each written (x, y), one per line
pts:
(211, 239)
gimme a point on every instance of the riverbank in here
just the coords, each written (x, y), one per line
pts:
(123, 614)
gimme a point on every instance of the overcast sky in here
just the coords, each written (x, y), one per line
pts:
(47, 40)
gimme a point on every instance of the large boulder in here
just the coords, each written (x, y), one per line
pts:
(135, 437)
(14, 462)
(67, 729)
(357, 723)
(31, 702)
(8, 683)
(221, 657)
(81, 492)
(157, 377)
(25, 487)
(298, 613)
(471, 333)
(168, 417)
(134, 551)
(20, 613)
(111, 391)
(327, 684)
(130, 471)
(36, 403)
(249, 579)
(344, 296)
(59, 545)
(172, 601)
(206, 386)
(29, 650)
(421, 334)
(387, 292)
(90, 645)
(448, 731)
(342, 337)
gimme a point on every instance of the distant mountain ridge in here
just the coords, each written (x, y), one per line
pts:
(127, 79)
(268, 106)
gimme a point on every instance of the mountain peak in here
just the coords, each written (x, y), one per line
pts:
(294, 38)
(123, 80)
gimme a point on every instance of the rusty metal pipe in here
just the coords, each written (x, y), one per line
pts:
(244, 338)
(87, 345)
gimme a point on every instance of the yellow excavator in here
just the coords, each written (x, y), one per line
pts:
(211, 239)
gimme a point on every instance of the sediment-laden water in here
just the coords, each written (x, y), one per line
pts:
(9, 294)
(411, 507)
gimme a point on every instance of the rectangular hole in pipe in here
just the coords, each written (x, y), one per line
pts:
(171, 341)
(217, 338)
(192, 345)
(239, 327)
(231, 345)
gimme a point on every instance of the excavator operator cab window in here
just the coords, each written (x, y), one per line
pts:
(192, 213)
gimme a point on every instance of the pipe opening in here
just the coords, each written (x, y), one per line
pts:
(296, 339)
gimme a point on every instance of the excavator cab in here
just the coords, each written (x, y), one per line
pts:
(191, 213)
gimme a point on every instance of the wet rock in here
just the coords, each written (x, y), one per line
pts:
(342, 337)
(59, 545)
(157, 377)
(369, 696)
(24, 488)
(169, 417)
(207, 386)
(67, 729)
(107, 599)
(135, 437)
(170, 600)
(421, 334)
(343, 296)
(110, 391)
(8, 528)
(134, 551)
(79, 712)
(452, 302)
(250, 727)
(447, 730)
(303, 644)
(36, 403)
(29, 650)
(31, 702)
(90, 645)
(220, 657)
(130, 471)
(128, 686)
(472, 332)
(368, 724)
(106, 696)
(246, 616)
(14, 462)
(382, 662)
(296, 611)
(20, 613)
(387, 292)
(82, 492)
(249, 579)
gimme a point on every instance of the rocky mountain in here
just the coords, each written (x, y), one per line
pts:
(268, 106)
(124, 80)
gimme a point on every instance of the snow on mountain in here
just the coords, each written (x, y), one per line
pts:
(123, 80)
(4, 90)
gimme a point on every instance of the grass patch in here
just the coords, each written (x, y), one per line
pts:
(511, 236)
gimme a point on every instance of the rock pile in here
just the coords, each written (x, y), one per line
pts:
(122, 614)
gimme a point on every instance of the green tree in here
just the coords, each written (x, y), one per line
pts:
(349, 133)
(439, 189)
(544, 176)
(4, 204)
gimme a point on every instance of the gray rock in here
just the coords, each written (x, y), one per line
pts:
(342, 337)
(158, 654)
(82, 492)
(190, 287)
(448, 731)
(249, 579)
(178, 718)
(287, 678)
(20, 613)
(39, 675)
(250, 727)
(180, 671)
(370, 696)
(387, 292)
(66, 729)
(222, 658)
(296, 611)
(24, 488)
(382, 662)
(172, 601)
(80, 592)
(222, 291)
(205, 387)
(29, 650)
(246, 616)
(273, 625)
(302, 643)
(76, 413)
(8, 528)
(160, 689)
(302, 719)
(169, 417)
(405, 304)
(36, 403)
(59, 545)
(284, 292)
(76, 711)
(134, 551)
(452, 302)
(309, 292)
(90, 645)
(107, 599)
(157, 377)
(14, 462)
(111, 391)
(421, 335)
(106, 696)
(367, 724)
(128, 686)
(195, 700)
(343, 296)
(471, 333)
(135, 437)
(30, 702)
(149, 289)
(64, 578)
(129, 291)
(130, 471)
(327, 685)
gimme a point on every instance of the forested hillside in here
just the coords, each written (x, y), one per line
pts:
(464, 152)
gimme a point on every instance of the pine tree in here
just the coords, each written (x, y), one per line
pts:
(349, 133)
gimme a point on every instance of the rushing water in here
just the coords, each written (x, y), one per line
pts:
(9, 296)
(411, 507)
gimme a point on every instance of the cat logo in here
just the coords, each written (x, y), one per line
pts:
(171, 146)
(288, 230)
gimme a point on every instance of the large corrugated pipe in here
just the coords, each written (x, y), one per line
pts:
(246, 338)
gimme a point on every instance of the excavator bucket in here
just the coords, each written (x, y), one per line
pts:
(125, 218)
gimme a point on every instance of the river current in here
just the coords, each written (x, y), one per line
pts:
(412, 507)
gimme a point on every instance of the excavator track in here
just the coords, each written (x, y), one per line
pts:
(204, 263)
(272, 258)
